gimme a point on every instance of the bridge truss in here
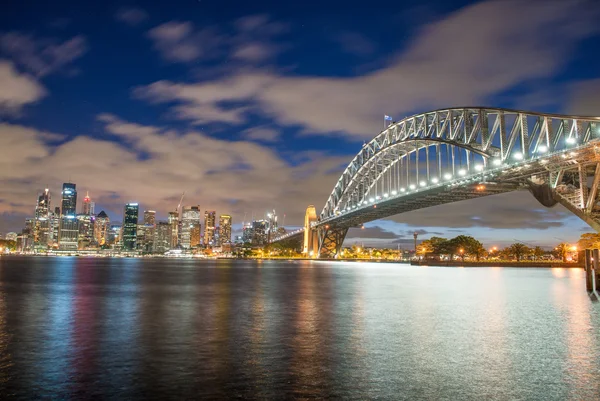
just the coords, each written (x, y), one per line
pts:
(455, 154)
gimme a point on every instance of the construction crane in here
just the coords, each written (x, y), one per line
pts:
(179, 205)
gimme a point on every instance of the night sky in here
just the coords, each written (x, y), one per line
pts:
(253, 106)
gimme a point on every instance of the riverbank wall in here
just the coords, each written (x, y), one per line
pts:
(547, 264)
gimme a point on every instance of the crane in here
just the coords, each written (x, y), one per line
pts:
(180, 202)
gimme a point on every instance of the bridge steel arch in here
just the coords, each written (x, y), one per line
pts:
(453, 154)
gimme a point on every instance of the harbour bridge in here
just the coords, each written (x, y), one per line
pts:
(455, 154)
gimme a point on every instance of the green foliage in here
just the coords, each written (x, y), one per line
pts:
(518, 250)
(589, 241)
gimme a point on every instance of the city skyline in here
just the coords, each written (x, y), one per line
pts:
(256, 108)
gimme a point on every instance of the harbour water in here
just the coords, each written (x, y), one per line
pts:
(75, 328)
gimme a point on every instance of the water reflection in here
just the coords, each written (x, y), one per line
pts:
(132, 328)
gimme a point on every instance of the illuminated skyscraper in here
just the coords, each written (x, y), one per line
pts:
(130, 222)
(68, 231)
(101, 228)
(42, 236)
(224, 229)
(149, 227)
(190, 226)
(149, 217)
(259, 232)
(88, 205)
(247, 232)
(162, 237)
(209, 227)
(85, 225)
(174, 222)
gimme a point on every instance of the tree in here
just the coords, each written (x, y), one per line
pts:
(538, 252)
(561, 250)
(518, 250)
(465, 245)
(589, 241)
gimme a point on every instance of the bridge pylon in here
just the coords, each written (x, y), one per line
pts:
(311, 239)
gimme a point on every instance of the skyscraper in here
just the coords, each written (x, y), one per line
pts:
(101, 228)
(259, 232)
(42, 237)
(224, 229)
(190, 226)
(174, 222)
(149, 217)
(149, 227)
(162, 237)
(247, 232)
(68, 231)
(88, 205)
(85, 225)
(209, 227)
(130, 221)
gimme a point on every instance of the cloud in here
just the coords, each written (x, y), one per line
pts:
(131, 16)
(42, 56)
(17, 89)
(584, 99)
(354, 43)
(427, 74)
(250, 43)
(262, 133)
(155, 165)
(373, 232)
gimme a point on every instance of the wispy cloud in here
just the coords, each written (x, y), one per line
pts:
(131, 16)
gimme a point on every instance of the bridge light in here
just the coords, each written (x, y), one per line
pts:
(518, 156)
(386, 195)
(378, 197)
(570, 140)
(543, 149)
(371, 200)
(448, 176)
(573, 154)
(422, 183)
(435, 180)
(402, 189)
(545, 161)
(497, 162)
(365, 202)
(394, 192)
(462, 171)
(479, 167)
(563, 156)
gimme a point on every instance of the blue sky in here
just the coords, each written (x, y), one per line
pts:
(254, 106)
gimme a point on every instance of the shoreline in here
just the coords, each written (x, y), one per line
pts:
(543, 264)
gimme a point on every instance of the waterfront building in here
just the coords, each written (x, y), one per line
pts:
(247, 233)
(85, 225)
(259, 232)
(41, 228)
(224, 229)
(174, 222)
(141, 238)
(149, 227)
(209, 228)
(130, 223)
(190, 225)
(68, 230)
(114, 236)
(101, 228)
(88, 205)
(162, 237)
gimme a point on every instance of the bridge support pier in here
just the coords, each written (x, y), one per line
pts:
(330, 242)
(592, 273)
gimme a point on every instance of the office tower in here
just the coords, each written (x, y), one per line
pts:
(190, 226)
(130, 222)
(88, 205)
(209, 227)
(224, 229)
(101, 228)
(149, 227)
(85, 225)
(141, 238)
(163, 235)
(259, 232)
(114, 236)
(68, 230)
(174, 222)
(247, 233)
(54, 226)
(41, 229)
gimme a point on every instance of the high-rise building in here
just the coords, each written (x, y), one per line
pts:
(259, 232)
(101, 228)
(85, 225)
(68, 230)
(130, 222)
(149, 227)
(174, 222)
(209, 227)
(41, 229)
(247, 233)
(88, 205)
(162, 237)
(54, 226)
(224, 229)
(114, 236)
(69, 199)
(141, 238)
(190, 226)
